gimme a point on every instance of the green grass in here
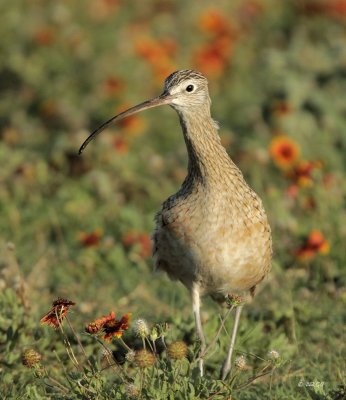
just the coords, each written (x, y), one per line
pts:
(283, 71)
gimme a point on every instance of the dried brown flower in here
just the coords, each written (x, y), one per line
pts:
(57, 313)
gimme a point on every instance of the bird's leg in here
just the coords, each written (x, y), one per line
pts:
(196, 305)
(227, 364)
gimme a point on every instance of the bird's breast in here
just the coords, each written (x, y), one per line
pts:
(213, 241)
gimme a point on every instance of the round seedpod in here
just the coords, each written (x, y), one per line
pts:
(177, 350)
(31, 358)
(144, 358)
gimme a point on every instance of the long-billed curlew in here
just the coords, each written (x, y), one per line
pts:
(213, 234)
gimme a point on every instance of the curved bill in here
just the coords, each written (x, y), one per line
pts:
(164, 98)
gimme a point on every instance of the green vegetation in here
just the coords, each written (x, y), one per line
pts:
(79, 227)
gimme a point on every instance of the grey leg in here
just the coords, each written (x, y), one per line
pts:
(226, 368)
(196, 305)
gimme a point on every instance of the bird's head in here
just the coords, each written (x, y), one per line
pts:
(185, 91)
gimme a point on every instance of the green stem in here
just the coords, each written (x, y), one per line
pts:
(121, 340)
(80, 344)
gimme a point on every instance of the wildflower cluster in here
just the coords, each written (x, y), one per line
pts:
(144, 366)
(213, 57)
(302, 174)
(158, 54)
(285, 153)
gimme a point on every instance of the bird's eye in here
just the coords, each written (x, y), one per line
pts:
(190, 88)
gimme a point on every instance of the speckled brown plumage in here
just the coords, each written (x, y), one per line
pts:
(214, 231)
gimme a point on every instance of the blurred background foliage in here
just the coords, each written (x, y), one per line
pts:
(80, 227)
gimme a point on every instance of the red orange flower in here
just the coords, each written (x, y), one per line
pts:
(158, 54)
(211, 59)
(110, 326)
(45, 36)
(132, 125)
(89, 239)
(115, 328)
(301, 174)
(151, 49)
(96, 326)
(121, 145)
(113, 86)
(332, 8)
(55, 316)
(140, 239)
(284, 151)
(281, 108)
(215, 23)
(314, 244)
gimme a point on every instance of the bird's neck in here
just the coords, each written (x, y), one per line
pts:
(207, 157)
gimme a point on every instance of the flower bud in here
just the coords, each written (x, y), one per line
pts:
(141, 328)
(153, 334)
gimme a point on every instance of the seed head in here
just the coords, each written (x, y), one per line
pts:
(273, 354)
(177, 350)
(144, 358)
(132, 391)
(106, 353)
(141, 328)
(31, 358)
(234, 300)
(240, 363)
(130, 356)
